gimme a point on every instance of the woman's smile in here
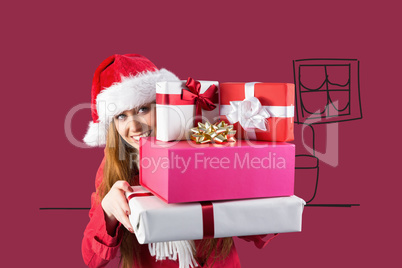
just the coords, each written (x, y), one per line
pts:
(136, 138)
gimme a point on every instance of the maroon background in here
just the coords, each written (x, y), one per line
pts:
(50, 50)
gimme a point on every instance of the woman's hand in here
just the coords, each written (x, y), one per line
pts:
(116, 208)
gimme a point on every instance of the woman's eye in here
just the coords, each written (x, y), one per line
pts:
(143, 109)
(121, 117)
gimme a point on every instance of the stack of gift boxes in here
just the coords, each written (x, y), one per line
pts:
(219, 165)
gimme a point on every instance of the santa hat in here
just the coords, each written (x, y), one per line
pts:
(121, 82)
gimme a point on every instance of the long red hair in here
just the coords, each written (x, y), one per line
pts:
(121, 164)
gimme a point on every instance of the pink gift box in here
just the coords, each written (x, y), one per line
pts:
(187, 172)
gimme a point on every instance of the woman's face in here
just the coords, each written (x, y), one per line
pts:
(136, 123)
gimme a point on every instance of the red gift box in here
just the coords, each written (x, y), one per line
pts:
(277, 101)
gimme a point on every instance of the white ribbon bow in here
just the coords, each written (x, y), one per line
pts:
(249, 113)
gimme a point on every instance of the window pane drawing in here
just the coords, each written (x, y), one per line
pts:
(327, 90)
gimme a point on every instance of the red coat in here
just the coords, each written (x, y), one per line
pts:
(98, 247)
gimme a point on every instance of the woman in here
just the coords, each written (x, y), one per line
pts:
(123, 96)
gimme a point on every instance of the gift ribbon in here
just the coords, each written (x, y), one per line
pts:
(261, 243)
(202, 101)
(208, 219)
(249, 112)
(138, 195)
(207, 207)
(175, 99)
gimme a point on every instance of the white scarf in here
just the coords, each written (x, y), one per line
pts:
(173, 250)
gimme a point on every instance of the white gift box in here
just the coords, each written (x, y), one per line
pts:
(156, 221)
(175, 115)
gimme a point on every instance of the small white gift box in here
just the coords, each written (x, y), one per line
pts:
(180, 104)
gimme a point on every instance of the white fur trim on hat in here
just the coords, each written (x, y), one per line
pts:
(96, 134)
(130, 93)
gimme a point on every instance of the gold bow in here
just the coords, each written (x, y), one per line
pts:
(219, 132)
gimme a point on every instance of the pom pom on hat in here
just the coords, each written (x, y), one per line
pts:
(120, 83)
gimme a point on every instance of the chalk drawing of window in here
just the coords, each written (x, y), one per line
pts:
(327, 90)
